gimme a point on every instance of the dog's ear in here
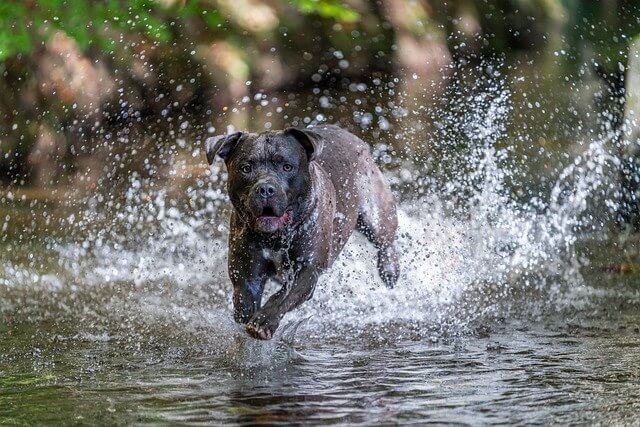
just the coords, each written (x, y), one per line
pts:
(310, 141)
(222, 145)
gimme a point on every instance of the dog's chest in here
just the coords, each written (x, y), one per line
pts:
(276, 257)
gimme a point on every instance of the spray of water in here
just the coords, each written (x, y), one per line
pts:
(471, 250)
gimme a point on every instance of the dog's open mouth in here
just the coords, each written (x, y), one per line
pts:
(269, 221)
(268, 211)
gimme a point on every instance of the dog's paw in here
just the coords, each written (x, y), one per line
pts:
(260, 330)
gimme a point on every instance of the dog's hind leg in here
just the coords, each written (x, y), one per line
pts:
(378, 221)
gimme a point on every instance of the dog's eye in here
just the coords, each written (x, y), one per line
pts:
(287, 167)
(246, 168)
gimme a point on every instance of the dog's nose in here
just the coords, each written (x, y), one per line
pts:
(266, 190)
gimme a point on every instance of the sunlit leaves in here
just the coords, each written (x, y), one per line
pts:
(328, 9)
(25, 25)
(14, 37)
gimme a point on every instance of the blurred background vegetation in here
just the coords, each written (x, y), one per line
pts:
(80, 77)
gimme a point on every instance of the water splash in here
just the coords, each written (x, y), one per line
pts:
(471, 248)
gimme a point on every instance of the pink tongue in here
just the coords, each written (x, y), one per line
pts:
(282, 219)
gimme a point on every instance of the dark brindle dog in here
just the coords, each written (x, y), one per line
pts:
(297, 196)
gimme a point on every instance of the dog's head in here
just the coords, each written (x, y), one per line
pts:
(269, 179)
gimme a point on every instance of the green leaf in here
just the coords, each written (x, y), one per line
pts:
(328, 9)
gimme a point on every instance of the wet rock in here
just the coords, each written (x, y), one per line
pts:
(45, 157)
(483, 331)
(496, 347)
(254, 16)
(71, 78)
(420, 47)
(228, 70)
(273, 72)
(466, 28)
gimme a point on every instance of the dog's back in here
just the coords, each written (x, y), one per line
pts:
(363, 197)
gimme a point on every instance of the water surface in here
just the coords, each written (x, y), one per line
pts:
(518, 300)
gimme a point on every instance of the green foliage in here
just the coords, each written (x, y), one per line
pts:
(26, 24)
(328, 9)
(14, 37)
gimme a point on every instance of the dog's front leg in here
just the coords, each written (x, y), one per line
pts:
(249, 272)
(265, 321)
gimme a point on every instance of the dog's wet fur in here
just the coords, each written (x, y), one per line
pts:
(297, 195)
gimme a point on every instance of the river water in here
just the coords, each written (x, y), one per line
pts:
(518, 300)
